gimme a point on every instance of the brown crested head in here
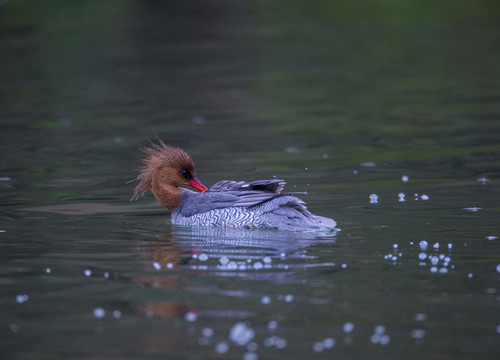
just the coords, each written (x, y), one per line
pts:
(165, 169)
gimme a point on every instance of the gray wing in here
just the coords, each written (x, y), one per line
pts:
(230, 194)
(273, 186)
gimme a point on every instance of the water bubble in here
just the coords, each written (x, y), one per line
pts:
(265, 300)
(288, 298)
(423, 244)
(22, 298)
(422, 256)
(328, 342)
(355, 172)
(250, 356)
(433, 269)
(157, 266)
(325, 156)
(224, 260)
(344, 266)
(258, 265)
(379, 329)
(87, 272)
(169, 265)
(395, 246)
(450, 246)
(191, 316)
(436, 246)
(401, 197)
(443, 270)
(267, 260)
(424, 197)
(498, 329)
(117, 314)
(48, 270)
(99, 312)
(498, 268)
(318, 346)
(207, 332)
(281, 343)
(241, 334)
(385, 340)
(417, 334)
(420, 317)
(106, 275)
(373, 199)
(252, 347)
(473, 209)
(222, 347)
(232, 265)
(470, 275)
(405, 178)
(203, 257)
(272, 325)
(348, 327)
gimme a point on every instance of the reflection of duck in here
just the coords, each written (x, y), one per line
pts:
(257, 204)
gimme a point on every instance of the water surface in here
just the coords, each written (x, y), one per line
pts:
(387, 115)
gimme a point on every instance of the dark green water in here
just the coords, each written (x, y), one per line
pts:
(340, 99)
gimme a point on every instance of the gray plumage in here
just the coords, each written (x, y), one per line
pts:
(257, 204)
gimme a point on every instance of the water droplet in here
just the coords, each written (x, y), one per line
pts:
(318, 347)
(272, 325)
(207, 332)
(250, 356)
(191, 316)
(422, 256)
(424, 197)
(348, 327)
(99, 312)
(22, 298)
(498, 268)
(325, 156)
(222, 347)
(258, 265)
(373, 199)
(417, 334)
(423, 244)
(87, 272)
(48, 270)
(379, 329)
(241, 334)
(401, 197)
(265, 300)
(157, 266)
(405, 178)
(117, 314)
(288, 298)
(328, 342)
(267, 260)
(420, 317)
(203, 257)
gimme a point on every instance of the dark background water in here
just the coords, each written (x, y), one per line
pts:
(340, 99)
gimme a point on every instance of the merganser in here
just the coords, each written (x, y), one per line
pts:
(240, 204)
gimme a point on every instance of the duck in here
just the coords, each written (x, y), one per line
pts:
(260, 204)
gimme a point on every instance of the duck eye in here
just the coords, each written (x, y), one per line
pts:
(185, 173)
